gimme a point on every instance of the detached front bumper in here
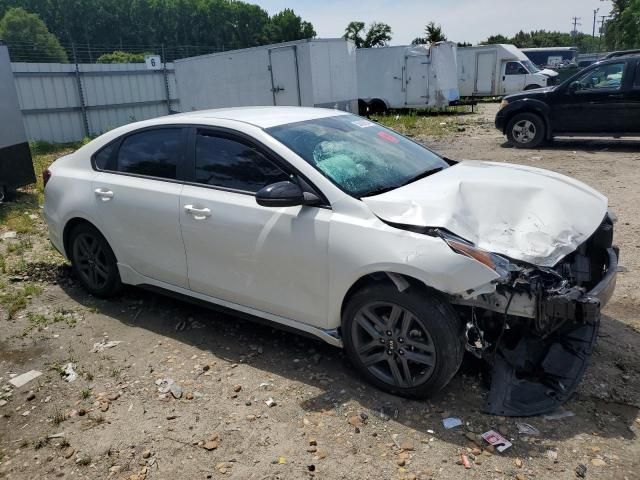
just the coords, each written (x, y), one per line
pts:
(539, 373)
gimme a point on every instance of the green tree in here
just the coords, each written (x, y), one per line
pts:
(28, 37)
(433, 34)
(622, 31)
(378, 34)
(119, 56)
(286, 26)
(543, 38)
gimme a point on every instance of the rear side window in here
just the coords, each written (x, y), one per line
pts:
(155, 153)
(227, 163)
(103, 158)
(636, 82)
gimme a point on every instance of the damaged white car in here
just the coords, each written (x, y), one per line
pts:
(332, 225)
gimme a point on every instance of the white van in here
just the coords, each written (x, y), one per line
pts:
(495, 70)
(416, 77)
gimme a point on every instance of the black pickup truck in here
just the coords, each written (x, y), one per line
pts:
(601, 100)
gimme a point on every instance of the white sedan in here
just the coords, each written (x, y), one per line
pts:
(340, 228)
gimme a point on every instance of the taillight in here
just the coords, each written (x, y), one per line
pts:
(46, 176)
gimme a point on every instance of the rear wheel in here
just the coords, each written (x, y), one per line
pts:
(526, 130)
(407, 343)
(93, 261)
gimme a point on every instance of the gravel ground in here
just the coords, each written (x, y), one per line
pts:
(186, 392)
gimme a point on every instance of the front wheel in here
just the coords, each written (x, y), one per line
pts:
(526, 130)
(407, 343)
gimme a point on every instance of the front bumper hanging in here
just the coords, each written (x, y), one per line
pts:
(540, 373)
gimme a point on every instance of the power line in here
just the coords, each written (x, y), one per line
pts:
(576, 24)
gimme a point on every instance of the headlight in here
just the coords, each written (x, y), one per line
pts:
(495, 262)
(503, 104)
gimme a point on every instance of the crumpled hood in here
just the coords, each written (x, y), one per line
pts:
(528, 214)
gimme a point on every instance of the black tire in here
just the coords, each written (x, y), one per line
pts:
(526, 130)
(93, 261)
(433, 326)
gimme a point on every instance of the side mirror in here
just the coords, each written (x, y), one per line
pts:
(573, 87)
(281, 194)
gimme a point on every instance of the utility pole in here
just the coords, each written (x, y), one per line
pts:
(602, 20)
(595, 13)
(576, 24)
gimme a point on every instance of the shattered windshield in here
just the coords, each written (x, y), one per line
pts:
(359, 156)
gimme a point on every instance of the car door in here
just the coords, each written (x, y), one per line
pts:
(594, 103)
(514, 76)
(632, 110)
(137, 201)
(270, 259)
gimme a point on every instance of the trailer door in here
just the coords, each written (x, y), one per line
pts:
(416, 80)
(485, 73)
(285, 81)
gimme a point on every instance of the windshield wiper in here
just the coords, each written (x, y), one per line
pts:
(424, 174)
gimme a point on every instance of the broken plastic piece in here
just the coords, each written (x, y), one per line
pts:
(497, 440)
(559, 414)
(526, 429)
(69, 373)
(25, 378)
(451, 422)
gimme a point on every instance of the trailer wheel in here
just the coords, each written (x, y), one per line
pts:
(526, 130)
(377, 106)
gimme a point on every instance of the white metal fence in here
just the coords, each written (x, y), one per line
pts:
(64, 102)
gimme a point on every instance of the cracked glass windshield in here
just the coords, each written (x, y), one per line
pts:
(359, 156)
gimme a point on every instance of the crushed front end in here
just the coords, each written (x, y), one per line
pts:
(538, 328)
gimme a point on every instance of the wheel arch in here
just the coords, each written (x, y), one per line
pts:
(400, 280)
(529, 106)
(68, 228)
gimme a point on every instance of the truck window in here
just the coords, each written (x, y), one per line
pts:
(636, 81)
(515, 68)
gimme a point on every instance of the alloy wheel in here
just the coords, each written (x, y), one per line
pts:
(393, 344)
(524, 131)
(91, 260)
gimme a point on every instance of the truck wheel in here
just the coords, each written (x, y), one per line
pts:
(532, 87)
(526, 130)
(406, 343)
(93, 261)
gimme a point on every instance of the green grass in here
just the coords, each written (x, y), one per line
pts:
(436, 124)
(15, 300)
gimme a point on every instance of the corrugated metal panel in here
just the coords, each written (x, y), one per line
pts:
(114, 94)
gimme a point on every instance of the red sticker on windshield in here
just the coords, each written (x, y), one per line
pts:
(387, 137)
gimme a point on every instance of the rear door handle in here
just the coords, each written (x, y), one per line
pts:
(104, 194)
(198, 213)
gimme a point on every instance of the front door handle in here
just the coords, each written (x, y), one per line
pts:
(104, 194)
(198, 213)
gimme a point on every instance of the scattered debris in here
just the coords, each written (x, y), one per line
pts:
(31, 395)
(559, 414)
(527, 429)
(451, 422)
(598, 462)
(552, 455)
(69, 373)
(581, 470)
(270, 402)
(9, 235)
(166, 385)
(497, 440)
(25, 378)
(465, 461)
(103, 345)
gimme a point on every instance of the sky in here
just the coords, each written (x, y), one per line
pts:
(462, 20)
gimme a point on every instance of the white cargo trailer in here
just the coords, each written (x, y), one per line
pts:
(16, 167)
(495, 70)
(419, 76)
(310, 73)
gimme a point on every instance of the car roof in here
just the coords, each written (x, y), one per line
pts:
(263, 117)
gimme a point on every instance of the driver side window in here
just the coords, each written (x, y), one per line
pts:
(228, 163)
(607, 77)
(514, 68)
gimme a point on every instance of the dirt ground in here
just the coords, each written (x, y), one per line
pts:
(120, 419)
